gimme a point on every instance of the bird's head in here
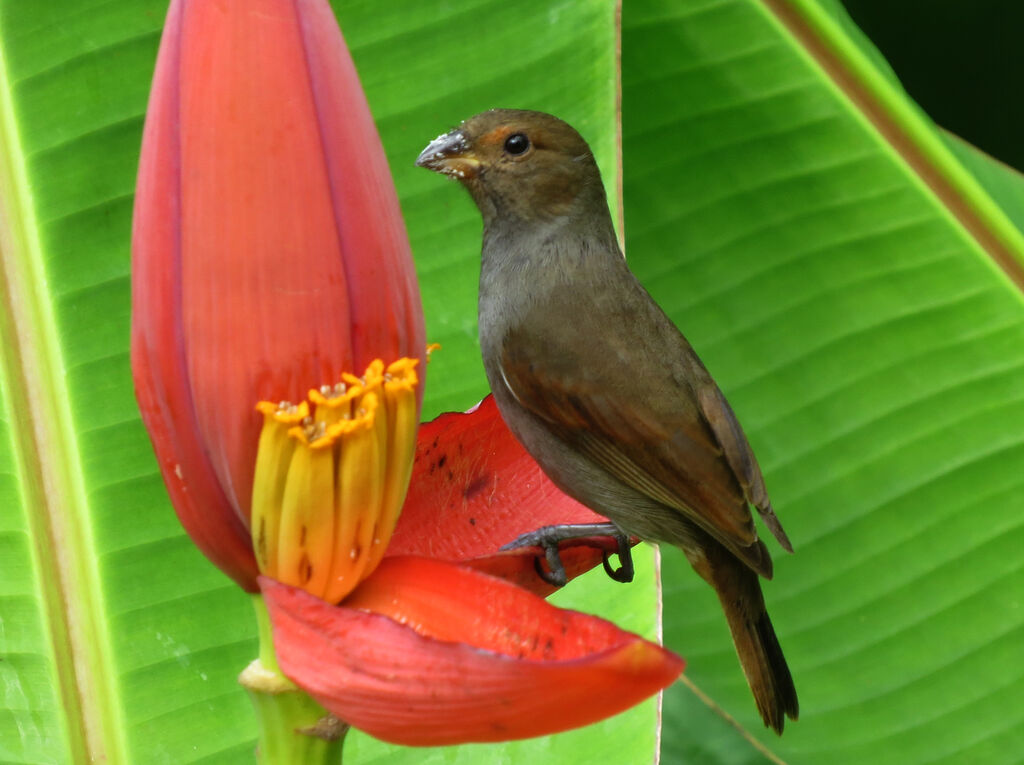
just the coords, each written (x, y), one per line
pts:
(519, 166)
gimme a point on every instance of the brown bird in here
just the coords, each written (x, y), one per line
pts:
(601, 387)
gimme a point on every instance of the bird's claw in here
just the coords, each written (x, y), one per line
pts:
(549, 538)
(624, 573)
(555, 575)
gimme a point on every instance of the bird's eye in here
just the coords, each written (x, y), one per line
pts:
(516, 144)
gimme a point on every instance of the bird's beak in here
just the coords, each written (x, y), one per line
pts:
(450, 154)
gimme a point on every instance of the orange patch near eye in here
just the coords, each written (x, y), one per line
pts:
(497, 136)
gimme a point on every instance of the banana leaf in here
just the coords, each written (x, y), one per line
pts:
(851, 280)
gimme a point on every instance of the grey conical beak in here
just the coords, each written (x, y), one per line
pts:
(450, 154)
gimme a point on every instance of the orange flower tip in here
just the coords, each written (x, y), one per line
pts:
(362, 418)
(374, 374)
(284, 412)
(431, 347)
(337, 395)
(401, 366)
(401, 376)
(313, 434)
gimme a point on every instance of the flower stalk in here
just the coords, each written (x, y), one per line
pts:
(293, 728)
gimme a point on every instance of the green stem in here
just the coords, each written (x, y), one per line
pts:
(293, 728)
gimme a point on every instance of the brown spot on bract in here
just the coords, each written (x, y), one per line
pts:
(474, 487)
(444, 459)
(472, 521)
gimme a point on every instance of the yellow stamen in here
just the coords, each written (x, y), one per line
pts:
(330, 486)
(306, 539)
(272, 459)
(402, 416)
(358, 497)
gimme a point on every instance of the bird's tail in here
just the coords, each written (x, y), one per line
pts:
(764, 665)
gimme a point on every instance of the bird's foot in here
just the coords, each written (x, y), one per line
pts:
(624, 573)
(549, 538)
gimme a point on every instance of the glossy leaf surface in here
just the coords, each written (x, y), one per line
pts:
(872, 345)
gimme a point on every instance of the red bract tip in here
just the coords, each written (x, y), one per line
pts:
(428, 653)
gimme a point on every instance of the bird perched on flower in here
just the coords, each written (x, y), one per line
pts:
(601, 387)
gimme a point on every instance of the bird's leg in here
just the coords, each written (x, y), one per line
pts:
(549, 537)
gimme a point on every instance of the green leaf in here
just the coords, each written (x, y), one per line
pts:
(1003, 183)
(119, 642)
(872, 345)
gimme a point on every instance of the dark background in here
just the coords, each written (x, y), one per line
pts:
(961, 60)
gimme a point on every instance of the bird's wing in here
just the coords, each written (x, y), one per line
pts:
(654, 433)
(737, 452)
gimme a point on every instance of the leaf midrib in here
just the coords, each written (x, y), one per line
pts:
(904, 130)
(47, 463)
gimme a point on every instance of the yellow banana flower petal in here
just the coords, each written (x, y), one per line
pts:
(329, 486)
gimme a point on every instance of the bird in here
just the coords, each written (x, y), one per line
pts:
(601, 387)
